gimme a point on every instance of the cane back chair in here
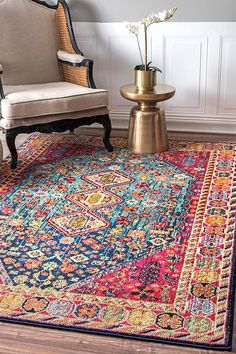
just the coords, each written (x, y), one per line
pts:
(46, 83)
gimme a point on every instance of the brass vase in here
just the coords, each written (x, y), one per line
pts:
(145, 80)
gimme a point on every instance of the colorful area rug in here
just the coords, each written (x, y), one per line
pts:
(120, 244)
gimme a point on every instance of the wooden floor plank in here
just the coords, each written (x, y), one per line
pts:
(28, 339)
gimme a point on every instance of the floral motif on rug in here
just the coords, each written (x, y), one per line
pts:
(140, 246)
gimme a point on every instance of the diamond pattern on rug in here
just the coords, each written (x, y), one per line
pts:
(107, 179)
(86, 221)
(94, 199)
(75, 224)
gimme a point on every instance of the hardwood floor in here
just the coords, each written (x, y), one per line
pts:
(21, 339)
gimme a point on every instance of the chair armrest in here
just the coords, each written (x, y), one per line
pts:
(70, 58)
(76, 68)
(1, 87)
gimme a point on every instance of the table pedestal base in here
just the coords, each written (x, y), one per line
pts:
(147, 130)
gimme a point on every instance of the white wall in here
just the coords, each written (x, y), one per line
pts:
(197, 58)
(135, 10)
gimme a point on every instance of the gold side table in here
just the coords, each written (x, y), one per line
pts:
(147, 125)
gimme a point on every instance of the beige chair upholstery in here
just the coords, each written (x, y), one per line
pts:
(29, 43)
(46, 83)
(24, 101)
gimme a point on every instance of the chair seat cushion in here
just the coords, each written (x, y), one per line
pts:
(24, 101)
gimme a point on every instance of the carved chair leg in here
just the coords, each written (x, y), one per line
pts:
(106, 122)
(10, 139)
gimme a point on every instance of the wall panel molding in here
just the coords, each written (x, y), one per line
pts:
(227, 76)
(197, 58)
(186, 63)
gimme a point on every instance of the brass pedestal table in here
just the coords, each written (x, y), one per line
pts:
(147, 125)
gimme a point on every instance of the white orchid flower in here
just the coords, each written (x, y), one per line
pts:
(172, 11)
(133, 28)
(160, 17)
(163, 15)
(145, 20)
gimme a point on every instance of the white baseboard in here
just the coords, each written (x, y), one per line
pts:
(180, 123)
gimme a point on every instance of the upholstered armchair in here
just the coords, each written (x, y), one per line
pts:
(46, 83)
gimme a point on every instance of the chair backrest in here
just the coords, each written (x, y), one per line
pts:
(28, 42)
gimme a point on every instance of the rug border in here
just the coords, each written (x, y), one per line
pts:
(231, 299)
(180, 343)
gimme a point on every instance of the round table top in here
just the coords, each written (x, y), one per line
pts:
(161, 92)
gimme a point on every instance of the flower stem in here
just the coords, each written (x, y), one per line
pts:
(139, 48)
(145, 42)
